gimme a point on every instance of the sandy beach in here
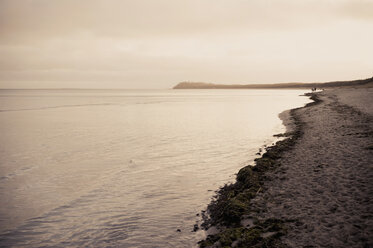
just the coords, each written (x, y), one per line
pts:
(318, 191)
(325, 181)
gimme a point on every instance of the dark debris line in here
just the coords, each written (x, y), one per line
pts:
(232, 202)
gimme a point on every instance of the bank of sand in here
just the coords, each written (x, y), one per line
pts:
(325, 182)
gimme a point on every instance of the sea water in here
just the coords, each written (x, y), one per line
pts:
(124, 168)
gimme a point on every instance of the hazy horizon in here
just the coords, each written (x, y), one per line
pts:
(157, 44)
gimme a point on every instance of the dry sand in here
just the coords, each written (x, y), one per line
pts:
(325, 183)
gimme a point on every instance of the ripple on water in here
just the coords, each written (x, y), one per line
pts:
(85, 173)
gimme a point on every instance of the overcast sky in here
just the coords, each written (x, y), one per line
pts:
(158, 43)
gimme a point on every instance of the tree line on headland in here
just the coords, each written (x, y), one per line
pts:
(201, 85)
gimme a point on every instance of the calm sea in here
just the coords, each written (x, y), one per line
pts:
(124, 168)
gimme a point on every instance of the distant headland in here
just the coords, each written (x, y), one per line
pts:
(201, 85)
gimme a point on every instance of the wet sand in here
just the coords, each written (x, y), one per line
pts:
(312, 190)
(325, 183)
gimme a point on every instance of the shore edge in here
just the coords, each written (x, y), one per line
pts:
(230, 210)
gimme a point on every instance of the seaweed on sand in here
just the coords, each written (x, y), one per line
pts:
(263, 234)
(232, 201)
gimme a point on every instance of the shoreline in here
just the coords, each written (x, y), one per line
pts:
(293, 85)
(229, 213)
(305, 190)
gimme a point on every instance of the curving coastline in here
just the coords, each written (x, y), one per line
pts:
(306, 190)
(202, 85)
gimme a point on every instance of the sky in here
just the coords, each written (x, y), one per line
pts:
(158, 43)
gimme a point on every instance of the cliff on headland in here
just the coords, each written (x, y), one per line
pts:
(201, 85)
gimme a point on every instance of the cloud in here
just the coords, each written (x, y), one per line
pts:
(165, 41)
(46, 19)
(359, 9)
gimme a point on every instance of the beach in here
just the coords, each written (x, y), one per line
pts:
(314, 189)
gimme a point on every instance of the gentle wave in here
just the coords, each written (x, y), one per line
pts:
(101, 171)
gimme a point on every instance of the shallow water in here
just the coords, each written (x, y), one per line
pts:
(124, 168)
